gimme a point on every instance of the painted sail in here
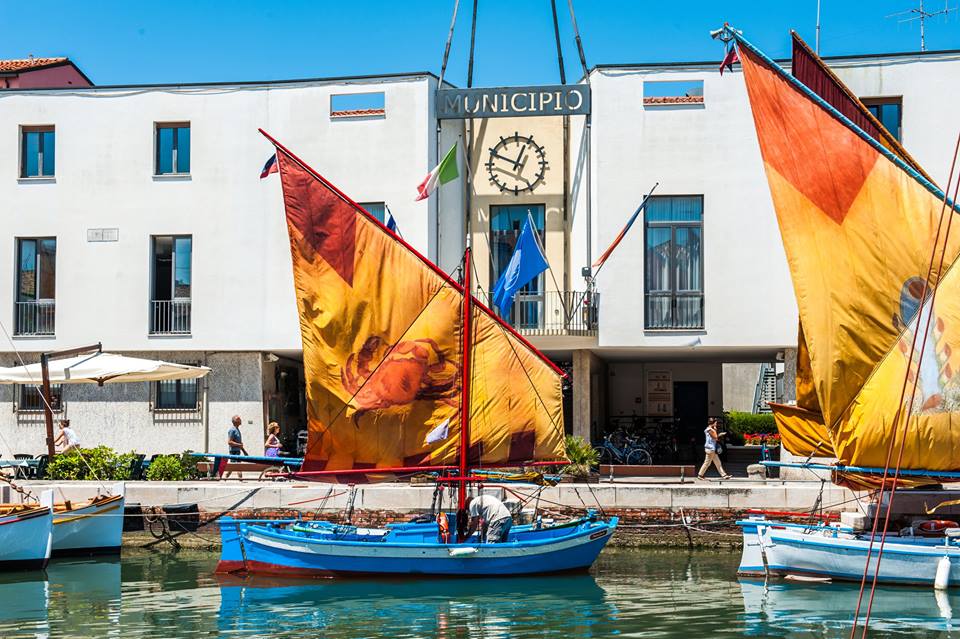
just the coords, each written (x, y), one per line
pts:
(381, 349)
(858, 230)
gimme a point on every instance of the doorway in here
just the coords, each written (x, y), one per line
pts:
(690, 411)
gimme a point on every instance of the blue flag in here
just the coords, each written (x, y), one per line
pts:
(526, 263)
(392, 223)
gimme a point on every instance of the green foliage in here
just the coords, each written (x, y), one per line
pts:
(739, 424)
(582, 456)
(173, 468)
(101, 463)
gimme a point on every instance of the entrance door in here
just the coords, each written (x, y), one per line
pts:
(690, 411)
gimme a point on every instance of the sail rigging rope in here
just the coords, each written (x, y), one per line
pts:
(923, 302)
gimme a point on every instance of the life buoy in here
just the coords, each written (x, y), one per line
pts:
(935, 527)
(443, 525)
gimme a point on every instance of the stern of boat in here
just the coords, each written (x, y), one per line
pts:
(752, 562)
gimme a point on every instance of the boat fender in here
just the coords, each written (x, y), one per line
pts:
(443, 526)
(935, 527)
(462, 552)
(942, 580)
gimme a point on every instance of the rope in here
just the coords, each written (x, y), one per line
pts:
(24, 494)
(896, 423)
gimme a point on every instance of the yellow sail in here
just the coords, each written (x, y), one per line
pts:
(382, 350)
(858, 232)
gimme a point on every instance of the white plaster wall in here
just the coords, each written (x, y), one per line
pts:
(626, 383)
(242, 284)
(119, 415)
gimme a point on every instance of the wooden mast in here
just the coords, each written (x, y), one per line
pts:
(466, 325)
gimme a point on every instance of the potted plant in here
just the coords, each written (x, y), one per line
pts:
(583, 459)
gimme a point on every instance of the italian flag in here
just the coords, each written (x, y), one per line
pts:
(444, 172)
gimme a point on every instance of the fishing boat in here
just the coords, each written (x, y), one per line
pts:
(91, 527)
(868, 242)
(26, 532)
(407, 372)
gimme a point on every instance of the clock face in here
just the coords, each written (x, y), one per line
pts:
(516, 164)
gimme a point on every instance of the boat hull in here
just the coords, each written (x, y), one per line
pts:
(774, 549)
(26, 536)
(95, 528)
(266, 549)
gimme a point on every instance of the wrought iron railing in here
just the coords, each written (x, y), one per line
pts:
(35, 317)
(170, 317)
(674, 310)
(555, 313)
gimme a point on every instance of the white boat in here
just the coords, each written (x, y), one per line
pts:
(26, 534)
(772, 548)
(89, 528)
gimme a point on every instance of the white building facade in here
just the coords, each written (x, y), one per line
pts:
(150, 231)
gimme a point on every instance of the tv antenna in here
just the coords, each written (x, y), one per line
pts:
(919, 13)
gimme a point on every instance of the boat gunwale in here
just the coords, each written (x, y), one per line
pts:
(860, 545)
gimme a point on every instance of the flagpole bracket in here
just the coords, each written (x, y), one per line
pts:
(725, 34)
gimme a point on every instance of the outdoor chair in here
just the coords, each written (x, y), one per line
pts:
(41, 469)
(22, 472)
(136, 467)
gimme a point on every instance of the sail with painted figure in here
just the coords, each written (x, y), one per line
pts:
(858, 225)
(381, 330)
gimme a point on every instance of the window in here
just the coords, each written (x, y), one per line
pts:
(31, 399)
(506, 222)
(358, 106)
(173, 149)
(673, 262)
(35, 303)
(672, 92)
(376, 209)
(888, 111)
(177, 394)
(172, 283)
(37, 151)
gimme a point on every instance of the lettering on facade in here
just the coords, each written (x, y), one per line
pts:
(510, 102)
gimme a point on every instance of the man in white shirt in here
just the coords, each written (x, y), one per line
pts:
(68, 437)
(495, 516)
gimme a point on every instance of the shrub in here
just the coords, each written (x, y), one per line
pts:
(173, 468)
(739, 424)
(101, 463)
(582, 456)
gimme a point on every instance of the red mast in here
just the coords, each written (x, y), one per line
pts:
(465, 386)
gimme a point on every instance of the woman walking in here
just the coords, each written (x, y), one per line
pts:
(710, 450)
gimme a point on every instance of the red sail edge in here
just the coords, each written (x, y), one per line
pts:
(436, 269)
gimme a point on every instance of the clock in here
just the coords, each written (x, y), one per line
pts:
(516, 164)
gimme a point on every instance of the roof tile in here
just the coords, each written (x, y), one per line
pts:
(28, 64)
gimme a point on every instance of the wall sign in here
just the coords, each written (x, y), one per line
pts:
(511, 102)
(659, 393)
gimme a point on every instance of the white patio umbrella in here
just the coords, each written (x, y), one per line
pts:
(101, 368)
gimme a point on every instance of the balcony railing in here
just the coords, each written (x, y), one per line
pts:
(555, 313)
(674, 310)
(35, 318)
(170, 317)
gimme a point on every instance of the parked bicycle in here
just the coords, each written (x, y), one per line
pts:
(620, 448)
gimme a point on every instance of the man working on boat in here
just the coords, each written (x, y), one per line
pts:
(496, 518)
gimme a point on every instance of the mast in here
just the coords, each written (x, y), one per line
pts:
(465, 384)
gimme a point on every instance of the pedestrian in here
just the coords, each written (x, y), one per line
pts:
(68, 437)
(235, 443)
(710, 446)
(271, 447)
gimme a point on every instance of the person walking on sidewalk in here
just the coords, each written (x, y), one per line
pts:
(710, 446)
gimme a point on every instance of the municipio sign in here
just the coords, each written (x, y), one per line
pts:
(511, 102)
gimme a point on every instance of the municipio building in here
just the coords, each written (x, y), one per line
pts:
(135, 216)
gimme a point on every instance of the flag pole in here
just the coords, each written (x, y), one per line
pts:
(462, 516)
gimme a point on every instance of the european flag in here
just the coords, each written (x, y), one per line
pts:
(526, 263)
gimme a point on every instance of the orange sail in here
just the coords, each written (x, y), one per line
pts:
(381, 349)
(859, 228)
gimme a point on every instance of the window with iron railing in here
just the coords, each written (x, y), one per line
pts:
(35, 304)
(172, 272)
(29, 398)
(673, 263)
(177, 394)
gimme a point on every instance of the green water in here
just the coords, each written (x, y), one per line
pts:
(629, 593)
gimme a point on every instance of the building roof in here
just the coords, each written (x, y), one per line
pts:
(30, 64)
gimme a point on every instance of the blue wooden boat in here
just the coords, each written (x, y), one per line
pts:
(296, 548)
(406, 372)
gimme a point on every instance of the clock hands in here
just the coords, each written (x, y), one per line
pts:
(497, 155)
(516, 163)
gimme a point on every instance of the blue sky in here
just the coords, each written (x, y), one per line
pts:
(136, 42)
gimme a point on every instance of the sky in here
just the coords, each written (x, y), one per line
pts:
(144, 42)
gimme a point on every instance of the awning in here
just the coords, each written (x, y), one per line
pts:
(102, 368)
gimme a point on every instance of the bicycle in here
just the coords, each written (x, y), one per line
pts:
(619, 448)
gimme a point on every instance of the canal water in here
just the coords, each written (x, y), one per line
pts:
(630, 593)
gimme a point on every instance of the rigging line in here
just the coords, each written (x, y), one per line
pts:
(46, 403)
(576, 34)
(556, 35)
(374, 371)
(446, 49)
(896, 419)
(473, 34)
(916, 380)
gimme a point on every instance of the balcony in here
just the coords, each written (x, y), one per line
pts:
(170, 317)
(561, 313)
(674, 311)
(34, 318)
